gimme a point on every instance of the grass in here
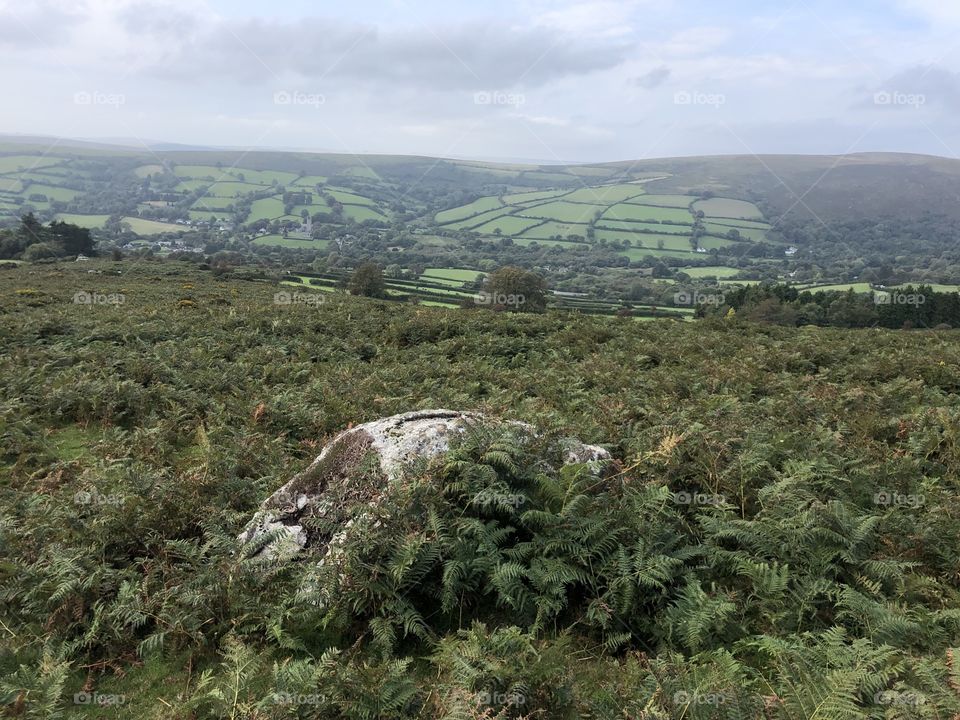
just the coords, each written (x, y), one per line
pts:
(478, 220)
(232, 189)
(15, 163)
(644, 252)
(552, 228)
(265, 209)
(309, 181)
(460, 274)
(727, 208)
(280, 241)
(362, 212)
(562, 211)
(859, 287)
(52, 192)
(213, 203)
(747, 233)
(638, 227)
(527, 241)
(349, 198)
(630, 211)
(677, 201)
(517, 198)
(758, 224)
(84, 221)
(465, 211)
(606, 194)
(719, 271)
(508, 225)
(151, 227)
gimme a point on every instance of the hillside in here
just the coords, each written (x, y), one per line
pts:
(881, 218)
(778, 530)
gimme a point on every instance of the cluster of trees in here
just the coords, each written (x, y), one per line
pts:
(903, 307)
(32, 240)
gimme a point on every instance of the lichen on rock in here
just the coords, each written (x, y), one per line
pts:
(354, 469)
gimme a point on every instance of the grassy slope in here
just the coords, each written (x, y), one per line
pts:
(195, 412)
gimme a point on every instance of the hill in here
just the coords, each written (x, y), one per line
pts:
(778, 530)
(882, 218)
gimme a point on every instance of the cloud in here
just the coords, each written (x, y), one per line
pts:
(653, 78)
(44, 23)
(173, 40)
(918, 86)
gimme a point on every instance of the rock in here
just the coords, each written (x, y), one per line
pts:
(358, 465)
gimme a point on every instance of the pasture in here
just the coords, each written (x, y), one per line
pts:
(727, 208)
(142, 226)
(649, 213)
(84, 221)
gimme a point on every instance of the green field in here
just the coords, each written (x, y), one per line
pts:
(517, 198)
(213, 203)
(640, 227)
(757, 224)
(508, 225)
(477, 220)
(288, 242)
(552, 228)
(565, 212)
(606, 194)
(464, 211)
(677, 201)
(15, 163)
(349, 198)
(265, 209)
(309, 181)
(718, 271)
(727, 208)
(151, 227)
(232, 189)
(362, 212)
(85, 221)
(460, 274)
(630, 211)
(747, 233)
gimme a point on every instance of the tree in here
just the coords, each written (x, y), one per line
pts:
(517, 289)
(367, 280)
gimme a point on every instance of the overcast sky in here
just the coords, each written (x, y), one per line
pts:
(549, 80)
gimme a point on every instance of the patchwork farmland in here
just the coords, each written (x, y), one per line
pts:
(643, 223)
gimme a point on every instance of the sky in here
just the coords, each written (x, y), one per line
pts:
(541, 80)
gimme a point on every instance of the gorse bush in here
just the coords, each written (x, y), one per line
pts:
(778, 536)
